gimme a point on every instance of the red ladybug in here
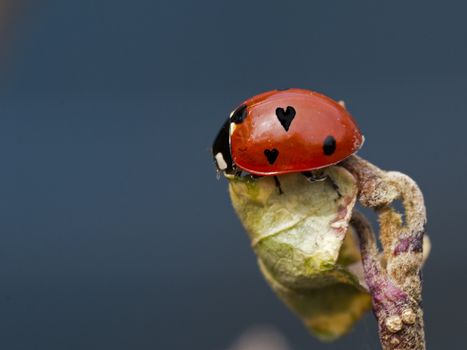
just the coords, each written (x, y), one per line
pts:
(286, 131)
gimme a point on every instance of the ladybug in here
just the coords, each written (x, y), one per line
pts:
(286, 131)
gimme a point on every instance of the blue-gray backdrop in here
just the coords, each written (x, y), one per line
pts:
(115, 232)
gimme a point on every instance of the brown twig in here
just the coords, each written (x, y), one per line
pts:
(395, 286)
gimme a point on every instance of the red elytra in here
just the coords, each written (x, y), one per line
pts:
(293, 130)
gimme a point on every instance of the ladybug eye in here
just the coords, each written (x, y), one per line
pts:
(329, 145)
(239, 115)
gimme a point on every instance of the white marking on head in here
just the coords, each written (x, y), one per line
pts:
(342, 103)
(232, 128)
(221, 164)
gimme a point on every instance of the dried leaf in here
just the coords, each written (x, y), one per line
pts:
(298, 233)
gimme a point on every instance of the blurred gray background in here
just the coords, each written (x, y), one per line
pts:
(115, 232)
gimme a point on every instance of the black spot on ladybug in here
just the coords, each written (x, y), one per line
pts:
(329, 145)
(271, 155)
(285, 117)
(239, 115)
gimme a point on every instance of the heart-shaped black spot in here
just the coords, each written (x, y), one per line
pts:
(285, 117)
(271, 155)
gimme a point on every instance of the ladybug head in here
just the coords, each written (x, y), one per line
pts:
(221, 150)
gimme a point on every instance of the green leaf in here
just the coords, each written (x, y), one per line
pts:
(305, 253)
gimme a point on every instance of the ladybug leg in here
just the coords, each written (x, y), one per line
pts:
(241, 173)
(278, 185)
(334, 186)
(314, 176)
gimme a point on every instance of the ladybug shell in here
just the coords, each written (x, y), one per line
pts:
(294, 130)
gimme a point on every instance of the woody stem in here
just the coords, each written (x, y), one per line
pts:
(395, 286)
